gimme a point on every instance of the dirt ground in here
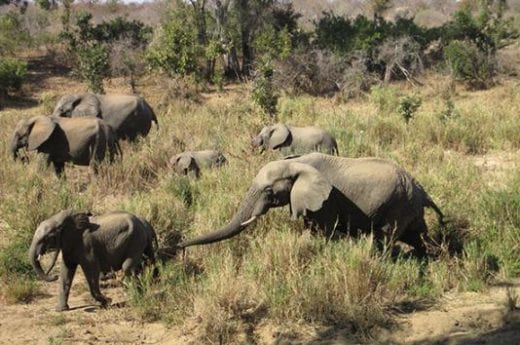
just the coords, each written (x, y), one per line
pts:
(458, 318)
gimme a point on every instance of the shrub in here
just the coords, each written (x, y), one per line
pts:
(93, 45)
(93, 65)
(17, 280)
(408, 105)
(12, 35)
(468, 64)
(263, 92)
(12, 75)
(13, 260)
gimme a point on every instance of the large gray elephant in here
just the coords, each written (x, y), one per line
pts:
(99, 244)
(82, 141)
(129, 116)
(336, 194)
(190, 162)
(296, 139)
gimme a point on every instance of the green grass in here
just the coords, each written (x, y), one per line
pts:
(276, 269)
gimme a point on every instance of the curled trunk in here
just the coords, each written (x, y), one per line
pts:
(34, 253)
(238, 223)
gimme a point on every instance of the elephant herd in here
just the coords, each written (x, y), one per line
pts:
(332, 194)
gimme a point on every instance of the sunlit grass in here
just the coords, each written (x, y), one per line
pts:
(276, 269)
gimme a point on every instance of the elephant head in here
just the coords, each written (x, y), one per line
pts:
(49, 234)
(32, 133)
(273, 137)
(86, 104)
(277, 184)
(185, 164)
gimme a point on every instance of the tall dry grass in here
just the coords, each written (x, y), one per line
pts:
(277, 269)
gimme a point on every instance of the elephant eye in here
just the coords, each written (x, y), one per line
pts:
(268, 190)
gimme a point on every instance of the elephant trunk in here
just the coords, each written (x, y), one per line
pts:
(34, 253)
(15, 146)
(243, 217)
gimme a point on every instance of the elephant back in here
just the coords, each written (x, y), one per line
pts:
(128, 115)
(88, 106)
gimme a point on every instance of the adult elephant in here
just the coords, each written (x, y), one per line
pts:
(130, 116)
(190, 162)
(99, 244)
(82, 141)
(336, 194)
(296, 139)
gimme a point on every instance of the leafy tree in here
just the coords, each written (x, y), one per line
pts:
(175, 48)
(469, 64)
(263, 93)
(91, 46)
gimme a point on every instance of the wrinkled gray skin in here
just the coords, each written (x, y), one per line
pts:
(336, 194)
(190, 162)
(296, 139)
(130, 116)
(98, 244)
(82, 141)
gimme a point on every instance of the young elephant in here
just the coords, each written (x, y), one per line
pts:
(296, 139)
(190, 162)
(99, 244)
(82, 141)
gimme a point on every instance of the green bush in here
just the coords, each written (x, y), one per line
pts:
(12, 75)
(93, 65)
(14, 260)
(12, 35)
(175, 49)
(467, 63)
(408, 106)
(263, 92)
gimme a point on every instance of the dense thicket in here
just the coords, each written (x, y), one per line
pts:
(262, 39)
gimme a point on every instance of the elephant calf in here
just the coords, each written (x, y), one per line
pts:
(190, 162)
(296, 139)
(130, 116)
(99, 244)
(82, 141)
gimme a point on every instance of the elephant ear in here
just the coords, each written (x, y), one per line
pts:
(189, 165)
(81, 219)
(279, 135)
(41, 130)
(87, 105)
(309, 190)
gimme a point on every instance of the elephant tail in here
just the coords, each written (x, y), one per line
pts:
(154, 117)
(335, 150)
(428, 202)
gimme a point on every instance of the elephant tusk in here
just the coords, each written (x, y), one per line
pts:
(249, 221)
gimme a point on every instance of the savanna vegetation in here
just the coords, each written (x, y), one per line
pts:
(442, 101)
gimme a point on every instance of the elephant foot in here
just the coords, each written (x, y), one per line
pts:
(103, 301)
(60, 307)
(107, 275)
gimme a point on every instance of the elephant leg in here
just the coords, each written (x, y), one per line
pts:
(92, 274)
(67, 272)
(412, 236)
(131, 267)
(59, 168)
